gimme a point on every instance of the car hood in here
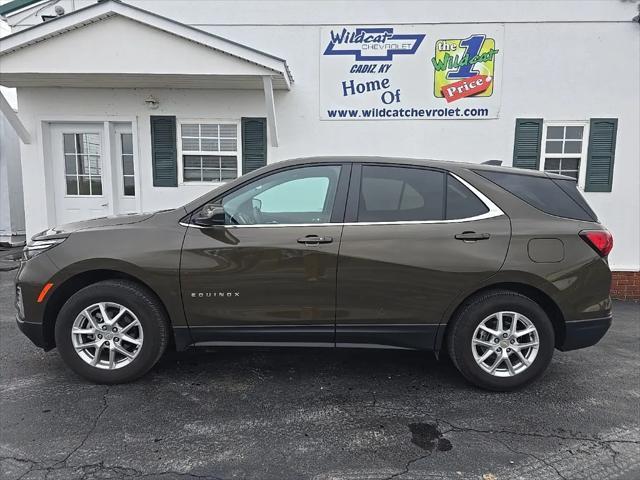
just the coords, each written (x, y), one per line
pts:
(66, 229)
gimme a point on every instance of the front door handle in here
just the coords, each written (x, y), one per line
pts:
(314, 240)
(472, 236)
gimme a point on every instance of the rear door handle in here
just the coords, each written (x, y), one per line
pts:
(472, 236)
(314, 240)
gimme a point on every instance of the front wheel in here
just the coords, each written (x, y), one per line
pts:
(113, 331)
(501, 340)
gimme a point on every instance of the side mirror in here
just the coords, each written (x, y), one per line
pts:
(210, 215)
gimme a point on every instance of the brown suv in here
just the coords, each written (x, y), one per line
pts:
(496, 266)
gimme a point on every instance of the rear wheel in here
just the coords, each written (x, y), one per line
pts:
(501, 340)
(113, 331)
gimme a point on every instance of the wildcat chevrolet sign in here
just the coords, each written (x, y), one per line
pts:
(410, 72)
(377, 44)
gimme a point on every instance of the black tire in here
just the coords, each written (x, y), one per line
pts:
(472, 313)
(138, 300)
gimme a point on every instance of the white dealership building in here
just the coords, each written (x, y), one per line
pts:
(145, 105)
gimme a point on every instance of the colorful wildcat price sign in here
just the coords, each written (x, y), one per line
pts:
(458, 60)
(410, 72)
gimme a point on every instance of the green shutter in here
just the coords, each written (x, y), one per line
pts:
(254, 144)
(163, 151)
(601, 153)
(526, 145)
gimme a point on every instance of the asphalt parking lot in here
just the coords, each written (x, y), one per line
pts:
(319, 414)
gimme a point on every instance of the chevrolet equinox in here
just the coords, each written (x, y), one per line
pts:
(495, 266)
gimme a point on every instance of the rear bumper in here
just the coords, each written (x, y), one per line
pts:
(584, 333)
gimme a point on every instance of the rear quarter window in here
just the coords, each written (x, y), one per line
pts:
(462, 202)
(552, 196)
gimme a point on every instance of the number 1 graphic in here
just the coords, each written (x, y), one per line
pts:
(472, 46)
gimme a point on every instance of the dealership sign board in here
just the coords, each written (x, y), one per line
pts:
(410, 72)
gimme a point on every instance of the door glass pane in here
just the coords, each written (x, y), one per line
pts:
(69, 140)
(301, 195)
(127, 143)
(84, 185)
(127, 164)
(72, 185)
(94, 165)
(96, 186)
(128, 174)
(129, 186)
(391, 194)
(82, 163)
(88, 143)
(70, 167)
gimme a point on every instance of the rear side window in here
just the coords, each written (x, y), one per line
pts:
(392, 194)
(570, 187)
(462, 202)
(544, 194)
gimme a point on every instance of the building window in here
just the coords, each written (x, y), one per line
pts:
(82, 164)
(564, 149)
(209, 151)
(128, 174)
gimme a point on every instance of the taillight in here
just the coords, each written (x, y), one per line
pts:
(600, 240)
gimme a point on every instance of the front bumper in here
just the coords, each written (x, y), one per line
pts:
(33, 331)
(584, 333)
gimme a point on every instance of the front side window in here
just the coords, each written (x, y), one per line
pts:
(297, 196)
(209, 151)
(82, 164)
(563, 148)
(393, 194)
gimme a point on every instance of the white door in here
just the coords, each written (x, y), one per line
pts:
(80, 174)
(124, 168)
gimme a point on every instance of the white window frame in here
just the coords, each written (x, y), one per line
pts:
(582, 168)
(180, 153)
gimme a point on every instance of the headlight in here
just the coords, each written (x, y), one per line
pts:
(37, 246)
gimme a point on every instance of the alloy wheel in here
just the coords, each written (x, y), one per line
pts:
(505, 344)
(107, 335)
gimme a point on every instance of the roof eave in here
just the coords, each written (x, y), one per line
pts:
(108, 8)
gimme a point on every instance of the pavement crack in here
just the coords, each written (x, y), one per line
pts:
(407, 467)
(603, 443)
(94, 424)
(544, 462)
